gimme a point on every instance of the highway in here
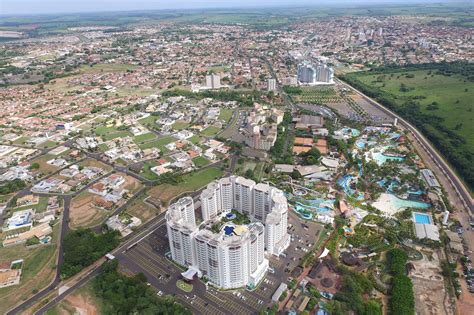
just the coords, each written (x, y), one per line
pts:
(451, 176)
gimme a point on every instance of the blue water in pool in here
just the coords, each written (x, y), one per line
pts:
(422, 218)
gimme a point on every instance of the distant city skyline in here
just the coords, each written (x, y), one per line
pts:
(10, 7)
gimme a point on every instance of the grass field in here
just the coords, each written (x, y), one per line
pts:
(226, 114)
(201, 161)
(146, 171)
(437, 99)
(160, 143)
(192, 182)
(180, 125)
(148, 121)
(109, 133)
(38, 271)
(46, 144)
(144, 137)
(454, 103)
(210, 131)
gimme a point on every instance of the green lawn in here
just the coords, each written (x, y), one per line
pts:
(38, 267)
(200, 178)
(109, 133)
(201, 161)
(46, 144)
(180, 125)
(226, 114)
(210, 131)
(146, 171)
(191, 182)
(144, 137)
(159, 143)
(150, 120)
(195, 139)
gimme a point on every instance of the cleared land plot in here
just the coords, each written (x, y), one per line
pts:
(226, 114)
(84, 213)
(180, 125)
(109, 133)
(159, 143)
(191, 182)
(81, 301)
(131, 183)
(210, 131)
(44, 167)
(94, 163)
(201, 161)
(146, 171)
(38, 271)
(144, 138)
(149, 121)
(140, 209)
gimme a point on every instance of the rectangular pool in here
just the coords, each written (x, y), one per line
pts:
(422, 218)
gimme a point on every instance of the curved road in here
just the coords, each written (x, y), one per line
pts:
(456, 183)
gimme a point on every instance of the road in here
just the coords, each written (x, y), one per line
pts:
(446, 169)
(149, 228)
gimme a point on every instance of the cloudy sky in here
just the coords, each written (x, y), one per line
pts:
(64, 6)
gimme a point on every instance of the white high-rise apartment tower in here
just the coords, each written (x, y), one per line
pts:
(235, 256)
(213, 81)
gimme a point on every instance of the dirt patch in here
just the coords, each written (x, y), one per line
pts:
(428, 285)
(165, 192)
(83, 304)
(83, 212)
(131, 183)
(143, 211)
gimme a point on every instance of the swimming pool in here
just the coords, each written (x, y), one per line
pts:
(422, 218)
(405, 203)
(381, 158)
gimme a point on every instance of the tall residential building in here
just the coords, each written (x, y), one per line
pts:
(181, 226)
(306, 73)
(320, 74)
(213, 81)
(271, 85)
(262, 201)
(235, 256)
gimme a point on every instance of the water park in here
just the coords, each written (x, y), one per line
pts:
(348, 183)
(390, 204)
(317, 209)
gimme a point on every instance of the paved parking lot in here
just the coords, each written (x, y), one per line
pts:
(148, 256)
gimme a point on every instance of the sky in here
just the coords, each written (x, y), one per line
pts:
(72, 6)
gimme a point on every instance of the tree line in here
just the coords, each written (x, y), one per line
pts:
(83, 247)
(131, 295)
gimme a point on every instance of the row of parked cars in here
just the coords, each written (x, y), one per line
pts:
(468, 273)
